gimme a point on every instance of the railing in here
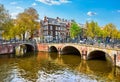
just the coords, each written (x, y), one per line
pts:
(19, 41)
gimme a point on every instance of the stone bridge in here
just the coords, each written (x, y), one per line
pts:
(87, 52)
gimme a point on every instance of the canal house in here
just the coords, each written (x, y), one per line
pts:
(55, 29)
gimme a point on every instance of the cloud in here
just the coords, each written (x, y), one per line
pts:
(20, 8)
(54, 2)
(13, 3)
(64, 1)
(89, 19)
(13, 15)
(118, 11)
(34, 4)
(91, 13)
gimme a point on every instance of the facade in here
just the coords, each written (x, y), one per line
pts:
(55, 29)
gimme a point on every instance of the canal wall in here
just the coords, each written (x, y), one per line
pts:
(6, 49)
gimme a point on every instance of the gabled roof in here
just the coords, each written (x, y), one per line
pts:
(51, 20)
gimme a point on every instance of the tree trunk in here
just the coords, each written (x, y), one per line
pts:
(23, 36)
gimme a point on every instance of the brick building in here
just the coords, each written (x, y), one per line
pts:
(55, 29)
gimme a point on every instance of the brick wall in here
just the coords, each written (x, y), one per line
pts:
(42, 47)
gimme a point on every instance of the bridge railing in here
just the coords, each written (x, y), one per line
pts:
(19, 41)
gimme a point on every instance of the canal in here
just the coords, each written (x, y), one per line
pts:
(52, 67)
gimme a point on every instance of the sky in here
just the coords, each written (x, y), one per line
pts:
(101, 11)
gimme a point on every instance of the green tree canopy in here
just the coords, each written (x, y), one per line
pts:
(74, 30)
(5, 22)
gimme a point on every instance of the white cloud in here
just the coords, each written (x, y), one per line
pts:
(20, 8)
(89, 19)
(65, 1)
(53, 2)
(118, 11)
(13, 3)
(13, 15)
(34, 4)
(91, 13)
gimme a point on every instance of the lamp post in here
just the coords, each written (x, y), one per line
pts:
(115, 59)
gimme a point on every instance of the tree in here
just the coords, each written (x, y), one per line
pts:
(101, 33)
(27, 22)
(88, 32)
(4, 16)
(7, 32)
(5, 22)
(118, 36)
(92, 29)
(74, 30)
(110, 30)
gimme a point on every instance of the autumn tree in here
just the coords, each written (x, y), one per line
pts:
(88, 31)
(27, 21)
(118, 36)
(7, 32)
(110, 30)
(92, 29)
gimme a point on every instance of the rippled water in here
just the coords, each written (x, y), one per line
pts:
(46, 67)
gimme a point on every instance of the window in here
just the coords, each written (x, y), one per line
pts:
(51, 27)
(46, 28)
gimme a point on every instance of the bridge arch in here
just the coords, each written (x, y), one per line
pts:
(70, 50)
(53, 49)
(29, 47)
(24, 48)
(99, 55)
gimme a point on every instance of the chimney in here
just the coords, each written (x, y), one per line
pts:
(45, 19)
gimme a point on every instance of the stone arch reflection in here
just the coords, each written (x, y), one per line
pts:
(72, 61)
(53, 56)
(100, 67)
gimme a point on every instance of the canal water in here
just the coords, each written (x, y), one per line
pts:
(51, 67)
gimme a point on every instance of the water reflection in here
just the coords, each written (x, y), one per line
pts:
(53, 56)
(100, 66)
(51, 67)
(72, 61)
